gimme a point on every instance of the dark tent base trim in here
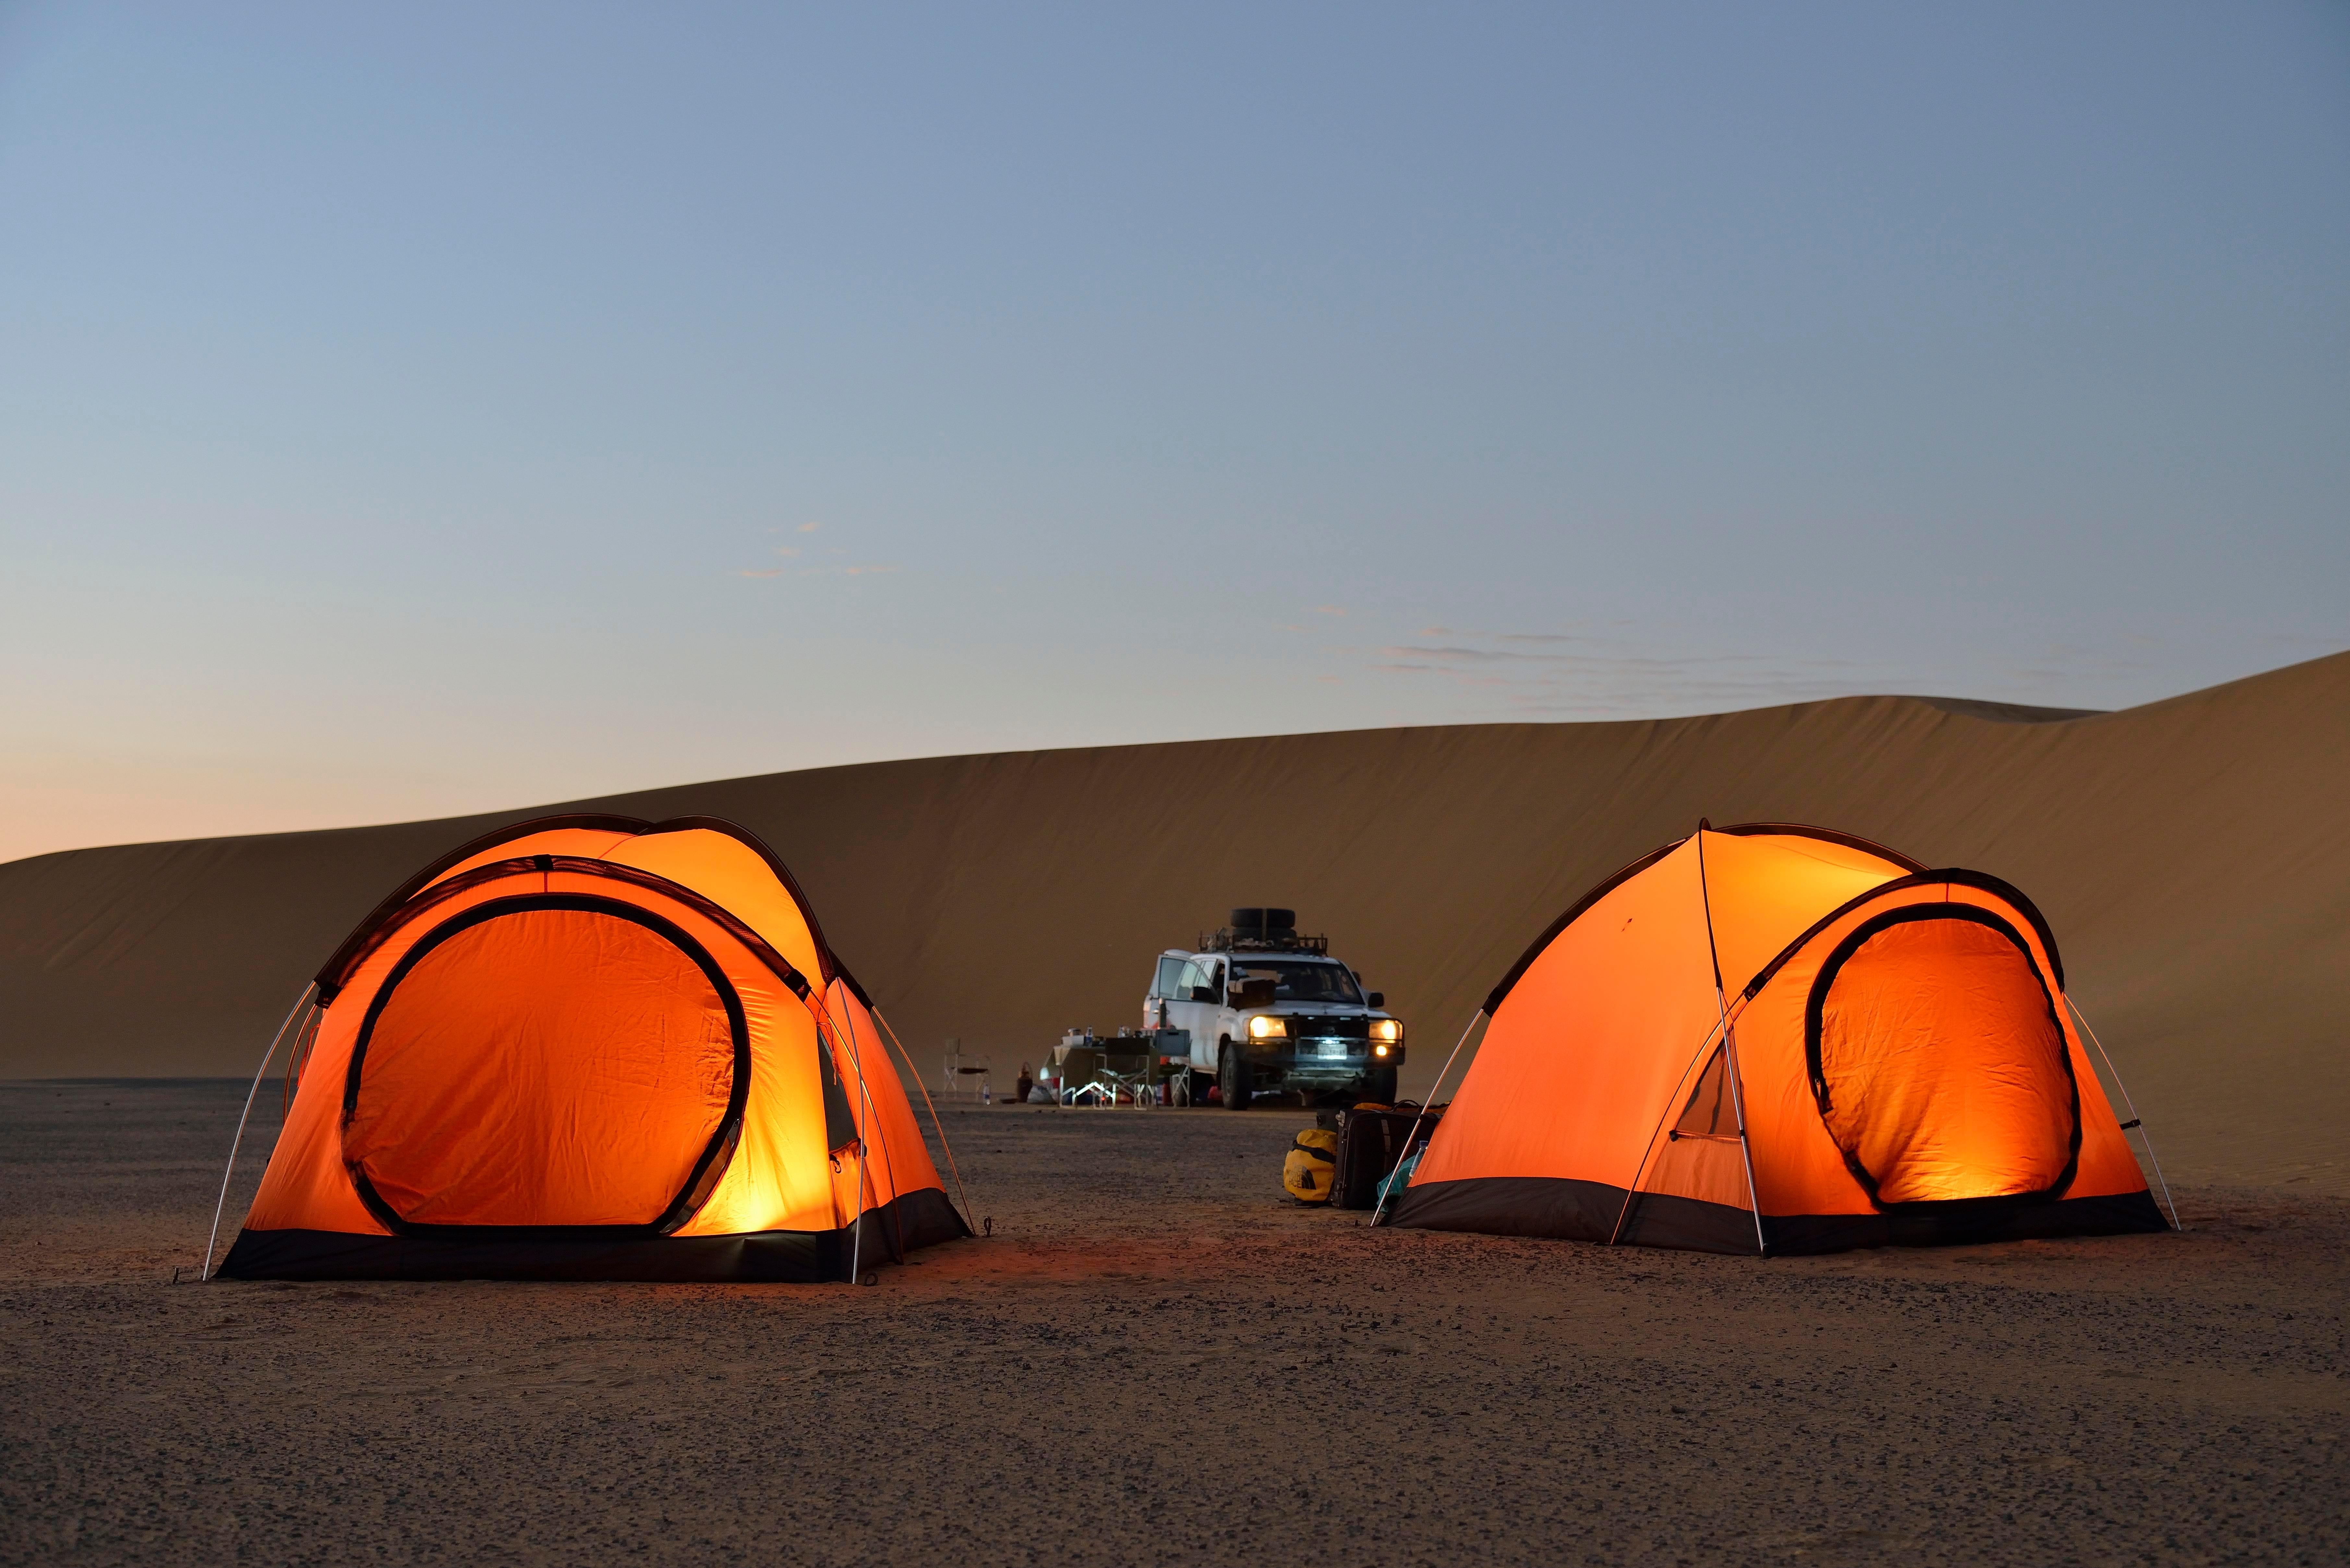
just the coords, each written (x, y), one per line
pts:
(912, 1221)
(1589, 1211)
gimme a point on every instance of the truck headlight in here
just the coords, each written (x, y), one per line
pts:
(1264, 1026)
(1388, 1029)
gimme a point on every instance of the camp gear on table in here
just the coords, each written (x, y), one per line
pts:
(1309, 1173)
(1130, 1068)
(591, 1047)
(1370, 1143)
(1781, 1039)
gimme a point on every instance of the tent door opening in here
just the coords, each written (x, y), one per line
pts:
(550, 1064)
(1937, 1061)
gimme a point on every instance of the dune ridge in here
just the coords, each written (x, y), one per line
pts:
(2193, 856)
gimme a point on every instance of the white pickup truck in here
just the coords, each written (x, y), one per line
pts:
(1270, 1011)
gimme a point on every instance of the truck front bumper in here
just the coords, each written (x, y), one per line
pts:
(1332, 1062)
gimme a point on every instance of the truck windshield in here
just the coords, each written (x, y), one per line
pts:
(1305, 981)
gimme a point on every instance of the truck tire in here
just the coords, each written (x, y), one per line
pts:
(1232, 1077)
(1379, 1085)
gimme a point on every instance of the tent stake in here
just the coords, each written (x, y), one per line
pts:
(891, 1035)
(212, 1241)
(2132, 1107)
(1446, 1072)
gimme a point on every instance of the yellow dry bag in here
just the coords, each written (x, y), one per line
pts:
(1312, 1169)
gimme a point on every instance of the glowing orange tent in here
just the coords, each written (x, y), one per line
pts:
(591, 1047)
(1776, 1038)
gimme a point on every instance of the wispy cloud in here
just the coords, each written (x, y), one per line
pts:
(766, 572)
(1329, 609)
(869, 571)
(1433, 631)
(787, 549)
(810, 527)
(1555, 673)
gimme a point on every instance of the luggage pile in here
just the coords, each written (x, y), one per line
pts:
(1350, 1160)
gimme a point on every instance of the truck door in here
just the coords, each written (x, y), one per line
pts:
(1166, 986)
(1176, 978)
(1210, 1012)
(1188, 1007)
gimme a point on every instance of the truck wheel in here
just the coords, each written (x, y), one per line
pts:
(1379, 1085)
(1233, 1076)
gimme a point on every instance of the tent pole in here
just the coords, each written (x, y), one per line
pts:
(1730, 1047)
(1380, 1209)
(2131, 1105)
(883, 1024)
(864, 1136)
(212, 1241)
(1650, 1148)
(297, 1056)
(889, 1167)
(1738, 1103)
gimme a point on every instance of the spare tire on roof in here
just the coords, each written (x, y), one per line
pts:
(1266, 924)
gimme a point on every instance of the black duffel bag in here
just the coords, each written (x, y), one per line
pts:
(1371, 1145)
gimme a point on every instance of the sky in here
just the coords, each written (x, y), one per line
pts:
(407, 411)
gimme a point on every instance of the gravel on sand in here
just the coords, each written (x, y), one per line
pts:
(1155, 1359)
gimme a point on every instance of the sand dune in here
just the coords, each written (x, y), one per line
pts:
(2193, 856)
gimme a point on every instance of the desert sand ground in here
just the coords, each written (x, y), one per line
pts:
(1155, 1360)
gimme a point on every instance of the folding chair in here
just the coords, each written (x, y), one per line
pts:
(1125, 1069)
(961, 1074)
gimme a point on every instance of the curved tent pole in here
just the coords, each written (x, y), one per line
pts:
(301, 1004)
(882, 1023)
(1728, 1046)
(297, 1056)
(2152, 1158)
(1379, 1211)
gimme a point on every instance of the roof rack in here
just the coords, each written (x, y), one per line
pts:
(1224, 941)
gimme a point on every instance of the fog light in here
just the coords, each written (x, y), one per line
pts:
(1379, 1050)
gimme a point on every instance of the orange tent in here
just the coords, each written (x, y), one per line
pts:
(591, 1047)
(1776, 1039)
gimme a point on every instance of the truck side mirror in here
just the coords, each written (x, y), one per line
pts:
(1378, 999)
